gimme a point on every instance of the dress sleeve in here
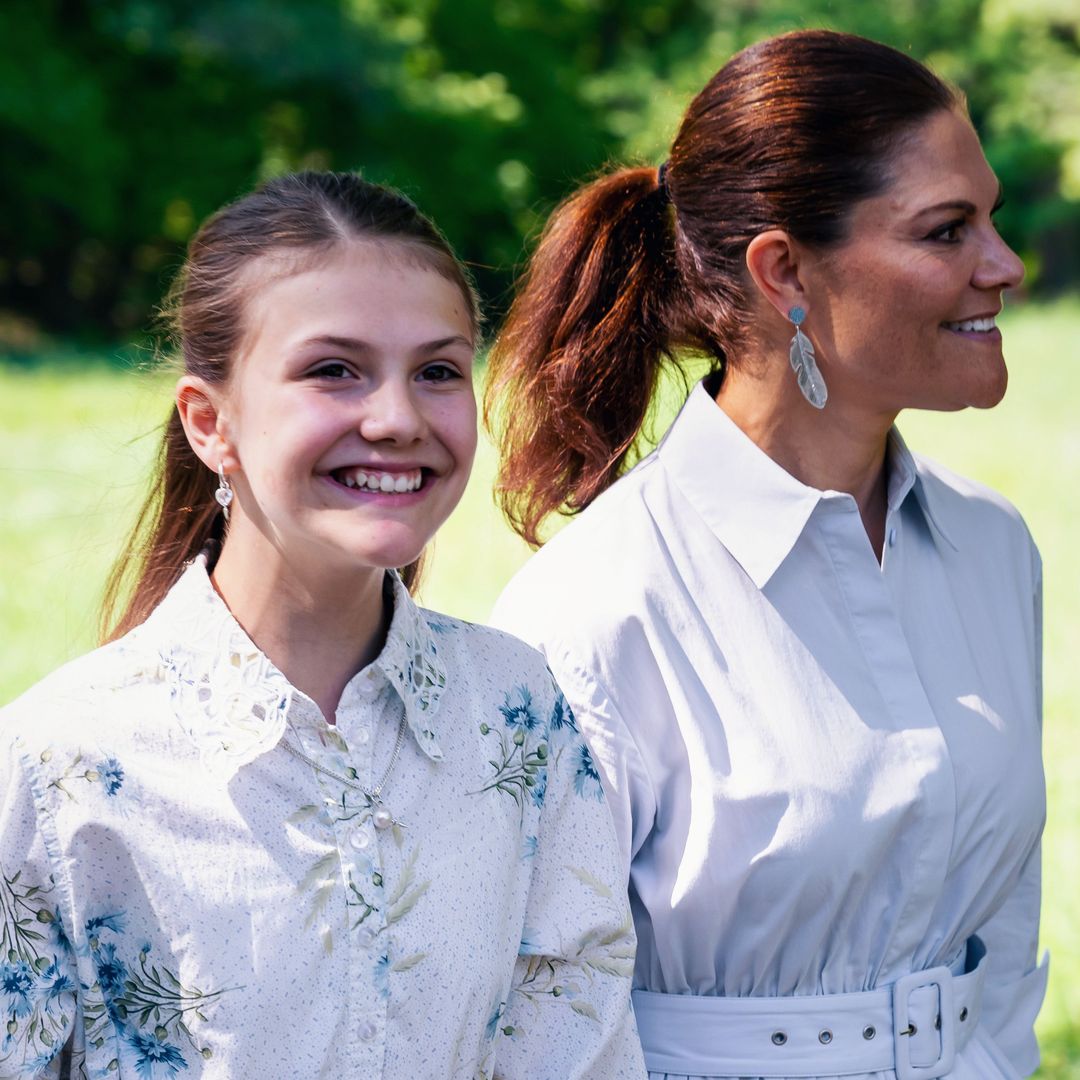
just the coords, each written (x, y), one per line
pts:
(38, 981)
(1015, 983)
(568, 1014)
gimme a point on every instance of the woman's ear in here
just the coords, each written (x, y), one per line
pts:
(199, 404)
(773, 260)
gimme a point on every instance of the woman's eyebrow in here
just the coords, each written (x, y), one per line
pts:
(963, 205)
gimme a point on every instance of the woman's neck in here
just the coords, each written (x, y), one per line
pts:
(836, 449)
(319, 628)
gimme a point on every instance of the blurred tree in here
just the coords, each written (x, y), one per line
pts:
(124, 122)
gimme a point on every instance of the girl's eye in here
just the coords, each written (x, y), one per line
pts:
(950, 233)
(439, 373)
(332, 369)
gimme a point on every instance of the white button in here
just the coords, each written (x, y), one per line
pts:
(362, 736)
(892, 537)
(366, 936)
(367, 1031)
(360, 839)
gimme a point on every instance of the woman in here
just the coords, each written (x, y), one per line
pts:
(806, 659)
(286, 823)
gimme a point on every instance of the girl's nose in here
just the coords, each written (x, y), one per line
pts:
(390, 413)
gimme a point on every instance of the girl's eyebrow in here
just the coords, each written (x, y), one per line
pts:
(355, 345)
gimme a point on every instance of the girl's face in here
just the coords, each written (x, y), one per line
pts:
(349, 417)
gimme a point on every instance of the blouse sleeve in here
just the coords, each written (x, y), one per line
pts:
(1015, 984)
(568, 1014)
(37, 966)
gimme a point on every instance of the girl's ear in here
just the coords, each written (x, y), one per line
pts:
(199, 404)
(773, 260)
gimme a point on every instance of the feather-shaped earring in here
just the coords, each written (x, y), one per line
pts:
(804, 365)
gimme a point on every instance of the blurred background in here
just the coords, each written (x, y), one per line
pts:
(124, 122)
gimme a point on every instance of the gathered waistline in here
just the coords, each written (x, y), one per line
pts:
(915, 1026)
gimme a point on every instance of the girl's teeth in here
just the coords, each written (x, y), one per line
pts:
(397, 484)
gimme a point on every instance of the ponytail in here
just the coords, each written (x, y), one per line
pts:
(577, 362)
(791, 133)
(176, 520)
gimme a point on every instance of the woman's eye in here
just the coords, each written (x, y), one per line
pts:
(440, 373)
(949, 233)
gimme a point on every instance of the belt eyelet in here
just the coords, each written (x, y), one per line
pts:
(824, 1036)
(963, 1014)
(869, 1032)
(779, 1038)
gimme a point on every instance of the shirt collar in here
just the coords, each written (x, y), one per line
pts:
(754, 507)
(234, 702)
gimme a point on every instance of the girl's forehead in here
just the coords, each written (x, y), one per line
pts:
(364, 294)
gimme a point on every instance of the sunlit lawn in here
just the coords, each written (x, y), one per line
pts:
(75, 442)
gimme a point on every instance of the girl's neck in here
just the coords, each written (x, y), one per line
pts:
(319, 627)
(838, 449)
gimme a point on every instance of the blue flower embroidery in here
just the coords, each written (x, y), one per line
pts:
(111, 972)
(55, 983)
(528, 847)
(111, 774)
(114, 922)
(562, 719)
(152, 1051)
(16, 982)
(519, 713)
(539, 788)
(587, 779)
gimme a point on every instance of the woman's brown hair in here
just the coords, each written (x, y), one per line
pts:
(303, 214)
(791, 133)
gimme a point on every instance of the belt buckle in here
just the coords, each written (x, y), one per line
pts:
(941, 977)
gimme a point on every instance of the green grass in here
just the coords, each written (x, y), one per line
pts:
(75, 443)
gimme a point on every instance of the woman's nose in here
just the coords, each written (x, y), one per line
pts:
(1000, 267)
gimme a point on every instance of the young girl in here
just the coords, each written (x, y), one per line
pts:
(286, 823)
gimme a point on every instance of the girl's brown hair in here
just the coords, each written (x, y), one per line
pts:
(789, 134)
(304, 214)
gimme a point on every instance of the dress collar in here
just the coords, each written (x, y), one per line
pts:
(754, 507)
(234, 702)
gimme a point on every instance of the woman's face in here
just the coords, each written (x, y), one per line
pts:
(350, 413)
(902, 312)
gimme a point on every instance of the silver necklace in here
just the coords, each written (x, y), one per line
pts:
(380, 812)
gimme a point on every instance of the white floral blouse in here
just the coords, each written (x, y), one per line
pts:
(181, 894)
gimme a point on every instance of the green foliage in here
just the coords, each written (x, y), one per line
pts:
(125, 122)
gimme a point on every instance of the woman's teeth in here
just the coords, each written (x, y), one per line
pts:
(390, 483)
(979, 326)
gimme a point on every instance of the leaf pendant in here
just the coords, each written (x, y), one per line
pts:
(806, 370)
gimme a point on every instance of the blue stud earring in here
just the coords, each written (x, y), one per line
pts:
(803, 363)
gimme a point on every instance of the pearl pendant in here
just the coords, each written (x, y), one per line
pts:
(383, 818)
(224, 496)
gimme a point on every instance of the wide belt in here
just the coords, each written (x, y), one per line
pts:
(916, 1026)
